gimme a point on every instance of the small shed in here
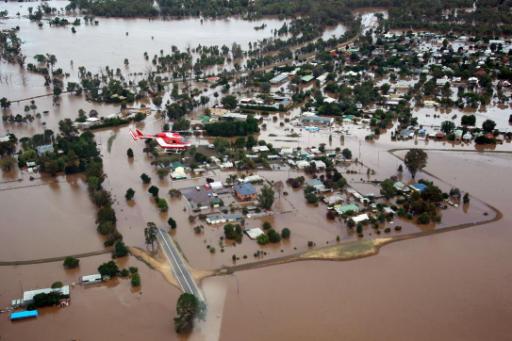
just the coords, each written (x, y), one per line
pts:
(21, 315)
(360, 218)
(91, 279)
(254, 233)
(216, 185)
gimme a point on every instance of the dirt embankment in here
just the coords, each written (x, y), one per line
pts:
(157, 261)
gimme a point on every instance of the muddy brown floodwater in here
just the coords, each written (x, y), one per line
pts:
(452, 286)
(110, 311)
(115, 39)
(448, 286)
(46, 218)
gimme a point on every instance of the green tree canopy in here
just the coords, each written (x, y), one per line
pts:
(266, 197)
(415, 160)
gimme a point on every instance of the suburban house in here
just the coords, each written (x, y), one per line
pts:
(307, 78)
(401, 187)
(318, 120)
(317, 184)
(43, 149)
(342, 209)
(333, 199)
(279, 79)
(245, 191)
(360, 218)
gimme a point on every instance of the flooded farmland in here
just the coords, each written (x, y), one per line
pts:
(58, 219)
(115, 39)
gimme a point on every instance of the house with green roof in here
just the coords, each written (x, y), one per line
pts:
(307, 78)
(344, 209)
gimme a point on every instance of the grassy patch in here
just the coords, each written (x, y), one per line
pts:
(347, 251)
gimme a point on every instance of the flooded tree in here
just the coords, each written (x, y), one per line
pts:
(172, 223)
(387, 188)
(187, 309)
(4, 103)
(447, 127)
(285, 233)
(162, 204)
(7, 163)
(266, 197)
(229, 102)
(415, 160)
(347, 153)
(150, 235)
(488, 126)
(109, 269)
(130, 193)
(145, 178)
(120, 249)
(71, 262)
(154, 191)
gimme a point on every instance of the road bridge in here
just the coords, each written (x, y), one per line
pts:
(178, 264)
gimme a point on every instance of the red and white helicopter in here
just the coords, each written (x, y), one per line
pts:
(166, 140)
